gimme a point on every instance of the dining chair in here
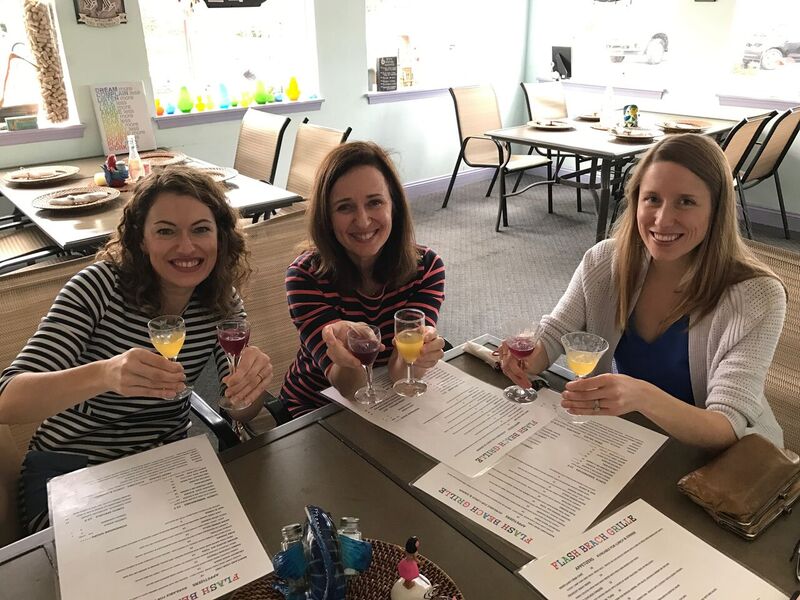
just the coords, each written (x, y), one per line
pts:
(22, 243)
(547, 101)
(25, 297)
(273, 246)
(737, 146)
(476, 113)
(10, 464)
(780, 386)
(312, 144)
(259, 145)
(769, 156)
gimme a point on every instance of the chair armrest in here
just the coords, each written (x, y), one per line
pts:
(277, 409)
(214, 421)
(503, 149)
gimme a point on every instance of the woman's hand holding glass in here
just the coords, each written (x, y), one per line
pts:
(140, 372)
(335, 337)
(250, 380)
(432, 350)
(607, 394)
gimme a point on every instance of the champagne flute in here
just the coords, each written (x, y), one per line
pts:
(521, 343)
(364, 342)
(233, 336)
(167, 333)
(584, 351)
(409, 333)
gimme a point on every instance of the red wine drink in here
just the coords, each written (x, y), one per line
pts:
(365, 350)
(521, 347)
(233, 341)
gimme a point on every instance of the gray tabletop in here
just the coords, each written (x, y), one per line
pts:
(81, 228)
(767, 556)
(588, 141)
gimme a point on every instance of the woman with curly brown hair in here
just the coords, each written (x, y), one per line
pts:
(90, 372)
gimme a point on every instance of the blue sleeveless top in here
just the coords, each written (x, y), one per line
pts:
(664, 362)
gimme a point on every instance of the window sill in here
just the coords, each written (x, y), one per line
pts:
(404, 94)
(754, 102)
(46, 134)
(619, 90)
(234, 114)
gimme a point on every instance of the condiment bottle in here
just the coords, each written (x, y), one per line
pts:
(292, 535)
(134, 162)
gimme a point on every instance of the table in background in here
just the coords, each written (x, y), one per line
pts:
(87, 228)
(596, 144)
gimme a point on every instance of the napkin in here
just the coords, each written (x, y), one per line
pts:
(484, 353)
(35, 174)
(77, 199)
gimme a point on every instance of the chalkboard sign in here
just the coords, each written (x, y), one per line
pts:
(386, 73)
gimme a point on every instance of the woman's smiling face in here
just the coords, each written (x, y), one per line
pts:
(180, 239)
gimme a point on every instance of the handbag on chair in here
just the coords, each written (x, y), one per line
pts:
(746, 487)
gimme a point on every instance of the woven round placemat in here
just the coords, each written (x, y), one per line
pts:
(374, 584)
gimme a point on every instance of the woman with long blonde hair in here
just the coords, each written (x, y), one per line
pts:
(696, 318)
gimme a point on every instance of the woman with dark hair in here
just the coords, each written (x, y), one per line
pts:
(90, 372)
(695, 317)
(363, 266)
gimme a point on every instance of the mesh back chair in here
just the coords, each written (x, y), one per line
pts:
(547, 101)
(21, 244)
(10, 463)
(737, 146)
(311, 145)
(476, 113)
(25, 297)
(273, 246)
(769, 155)
(259, 146)
(784, 373)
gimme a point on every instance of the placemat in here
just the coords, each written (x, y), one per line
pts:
(374, 584)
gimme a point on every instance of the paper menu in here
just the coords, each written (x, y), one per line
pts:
(640, 553)
(460, 420)
(554, 484)
(162, 524)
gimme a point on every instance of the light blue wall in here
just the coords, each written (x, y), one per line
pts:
(422, 132)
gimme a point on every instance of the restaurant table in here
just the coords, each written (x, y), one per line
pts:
(335, 459)
(591, 143)
(86, 228)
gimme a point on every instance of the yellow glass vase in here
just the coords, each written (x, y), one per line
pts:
(293, 91)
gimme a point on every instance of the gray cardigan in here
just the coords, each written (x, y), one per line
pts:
(730, 349)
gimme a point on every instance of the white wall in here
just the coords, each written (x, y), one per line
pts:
(704, 28)
(422, 132)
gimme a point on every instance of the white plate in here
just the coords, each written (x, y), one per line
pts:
(684, 125)
(28, 176)
(634, 134)
(219, 174)
(550, 124)
(44, 201)
(591, 117)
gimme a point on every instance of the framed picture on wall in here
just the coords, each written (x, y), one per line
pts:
(100, 13)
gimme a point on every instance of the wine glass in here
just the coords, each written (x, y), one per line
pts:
(233, 335)
(521, 343)
(409, 332)
(584, 351)
(364, 342)
(167, 333)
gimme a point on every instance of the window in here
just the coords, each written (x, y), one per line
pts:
(443, 43)
(189, 44)
(691, 49)
(20, 91)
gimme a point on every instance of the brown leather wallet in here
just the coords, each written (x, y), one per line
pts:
(746, 487)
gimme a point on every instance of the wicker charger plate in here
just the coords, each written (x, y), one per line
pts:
(162, 158)
(44, 201)
(684, 126)
(28, 176)
(219, 174)
(374, 584)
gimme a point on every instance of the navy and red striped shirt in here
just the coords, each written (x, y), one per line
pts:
(315, 302)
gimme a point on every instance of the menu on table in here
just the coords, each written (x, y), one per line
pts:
(460, 421)
(640, 553)
(554, 484)
(162, 524)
